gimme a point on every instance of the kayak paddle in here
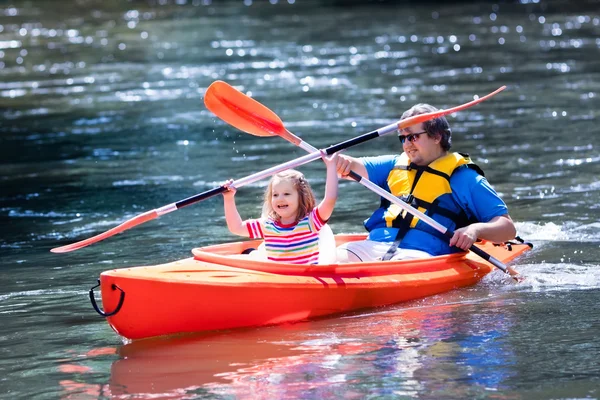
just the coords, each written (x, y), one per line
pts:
(250, 116)
(262, 126)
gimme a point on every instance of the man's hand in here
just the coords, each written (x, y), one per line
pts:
(465, 237)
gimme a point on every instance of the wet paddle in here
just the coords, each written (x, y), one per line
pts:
(250, 116)
(261, 125)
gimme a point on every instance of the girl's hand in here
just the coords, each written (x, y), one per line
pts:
(230, 192)
(329, 160)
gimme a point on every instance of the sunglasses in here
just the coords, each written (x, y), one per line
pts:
(410, 137)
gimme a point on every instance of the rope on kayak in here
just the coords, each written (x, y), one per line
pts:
(510, 243)
(95, 305)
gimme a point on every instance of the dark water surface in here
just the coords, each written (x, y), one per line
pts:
(102, 118)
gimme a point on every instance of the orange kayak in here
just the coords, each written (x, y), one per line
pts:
(220, 288)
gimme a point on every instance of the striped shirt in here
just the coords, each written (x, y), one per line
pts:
(295, 244)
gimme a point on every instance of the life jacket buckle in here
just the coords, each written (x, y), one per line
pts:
(408, 198)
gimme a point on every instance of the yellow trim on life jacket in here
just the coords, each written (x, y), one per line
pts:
(429, 187)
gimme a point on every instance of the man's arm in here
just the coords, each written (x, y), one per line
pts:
(482, 203)
(498, 229)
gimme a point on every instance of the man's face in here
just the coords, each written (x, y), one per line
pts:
(420, 148)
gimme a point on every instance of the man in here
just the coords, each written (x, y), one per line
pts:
(447, 186)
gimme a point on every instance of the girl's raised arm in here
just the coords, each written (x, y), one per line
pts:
(232, 216)
(327, 205)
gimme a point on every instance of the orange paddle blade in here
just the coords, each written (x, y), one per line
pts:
(243, 112)
(140, 219)
(416, 119)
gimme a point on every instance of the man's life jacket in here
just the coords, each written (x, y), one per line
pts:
(426, 188)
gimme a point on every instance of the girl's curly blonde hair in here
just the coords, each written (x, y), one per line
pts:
(306, 197)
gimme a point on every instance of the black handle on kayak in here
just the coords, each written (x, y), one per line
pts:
(95, 305)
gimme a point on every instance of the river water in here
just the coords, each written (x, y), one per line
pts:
(102, 113)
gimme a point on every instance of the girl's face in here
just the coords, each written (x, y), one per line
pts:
(285, 201)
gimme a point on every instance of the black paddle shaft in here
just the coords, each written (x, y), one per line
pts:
(352, 142)
(329, 150)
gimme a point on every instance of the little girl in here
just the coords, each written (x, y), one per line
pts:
(290, 222)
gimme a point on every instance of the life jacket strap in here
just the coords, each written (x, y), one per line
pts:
(405, 221)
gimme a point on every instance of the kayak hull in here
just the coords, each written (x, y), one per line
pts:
(220, 289)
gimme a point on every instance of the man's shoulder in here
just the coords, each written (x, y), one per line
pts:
(468, 170)
(384, 161)
(382, 158)
(466, 174)
(378, 168)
